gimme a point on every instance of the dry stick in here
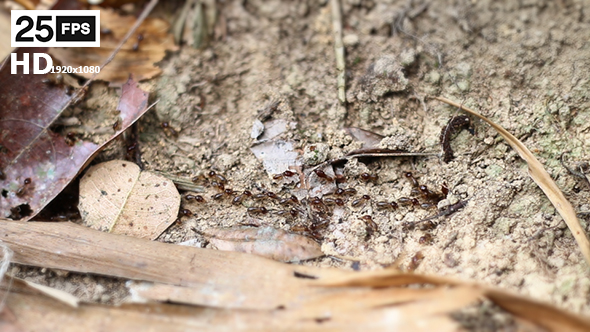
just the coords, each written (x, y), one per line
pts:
(339, 49)
(385, 154)
(225, 278)
(375, 155)
(543, 180)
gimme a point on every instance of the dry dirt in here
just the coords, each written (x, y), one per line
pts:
(524, 64)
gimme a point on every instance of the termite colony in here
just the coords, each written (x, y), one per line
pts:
(311, 215)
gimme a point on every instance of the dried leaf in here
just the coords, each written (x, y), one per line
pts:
(368, 138)
(543, 180)
(38, 313)
(116, 196)
(531, 310)
(538, 312)
(152, 40)
(36, 163)
(276, 156)
(267, 242)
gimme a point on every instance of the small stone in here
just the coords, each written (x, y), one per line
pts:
(315, 153)
(464, 69)
(463, 85)
(433, 77)
(350, 40)
(407, 57)
(226, 161)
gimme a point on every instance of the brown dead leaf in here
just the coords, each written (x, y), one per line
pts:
(267, 242)
(368, 138)
(543, 180)
(539, 313)
(151, 41)
(36, 312)
(36, 163)
(116, 196)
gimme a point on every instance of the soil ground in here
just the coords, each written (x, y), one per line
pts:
(524, 64)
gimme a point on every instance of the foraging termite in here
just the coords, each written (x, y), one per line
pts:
(415, 262)
(58, 80)
(168, 128)
(367, 177)
(135, 46)
(345, 192)
(322, 175)
(218, 185)
(283, 175)
(408, 201)
(197, 198)
(117, 124)
(425, 239)
(371, 225)
(333, 201)
(257, 210)
(387, 205)
(218, 196)
(219, 178)
(22, 190)
(229, 192)
(359, 202)
(185, 212)
(412, 179)
(290, 200)
(240, 198)
(446, 212)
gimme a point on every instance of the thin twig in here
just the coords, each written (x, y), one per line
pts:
(390, 154)
(353, 155)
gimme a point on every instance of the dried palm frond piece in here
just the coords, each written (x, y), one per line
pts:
(542, 178)
(235, 290)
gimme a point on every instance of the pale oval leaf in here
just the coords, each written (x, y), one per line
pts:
(267, 242)
(116, 196)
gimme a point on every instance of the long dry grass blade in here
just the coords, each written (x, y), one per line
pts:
(543, 180)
